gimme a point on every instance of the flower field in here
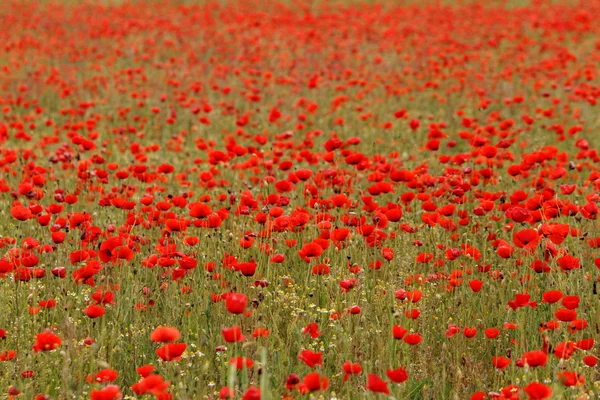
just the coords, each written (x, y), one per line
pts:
(299, 199)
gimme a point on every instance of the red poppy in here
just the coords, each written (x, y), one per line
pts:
(232, 335)
(252, 393)
(492, 332)
(314, 381)
(590, 360)
(470, 332)
(413, 339)
(310, 250)
(552, 296)
(351, 369)
(152, 384)
(320, 269)
(500, 362)
(570, 378)
(261, 332)
(94, 311)
(165, 334)
(535, 358)
(46, 341)
(20, 213)
(398, 375)
(8, 355)
(564, 350)
(399, 332)
(527, 239)
(311, 358)
(414, 295)
(568, 262)
(145, 370)
(106, 375)
(292, 381)
(171, 351)
(476, 285)
(565, 315)
(236, 302)
(312, 329)
(571, 302)
(377, 385)
(585, 344)
(538, 391)
(110, 392)
(241, 362)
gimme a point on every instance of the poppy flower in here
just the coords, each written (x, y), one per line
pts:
(399, 332)
(413, 339)
(226, 393)
(261, 332)
(252, 393)
(94, 311)
(500, 362)
(110, 392)
(236, 303)
(199, 210)
(565, 315)
(538, 391)
(232, 335)
(535, 358)
(312, 329)
(320, 269)
(27, 374)
(171, 351)
(552, 296)
(469, 332)
(348, 284)
(314, 381)
(145, 370)
(152, 384)
(590, 361)
(241, 362)
(400, 294)
(518, 214)
(310, 250)
(292, 381)
(165, 334)
(398, 375)
(46, 341)
(570, 378)
(414, 295)
(20, 213)
(564, 350)
(106, 375)
(475, 285)
(377, 385)
(568, 262)
(8, 355)
(351, 369)
(88, 341)
(527, 239)
(492, 333)
(452, 330)
(570, 302)
(311, 358)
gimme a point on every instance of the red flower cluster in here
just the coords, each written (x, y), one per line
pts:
(322, 197)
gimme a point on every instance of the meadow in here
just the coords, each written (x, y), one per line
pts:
(299, 199)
